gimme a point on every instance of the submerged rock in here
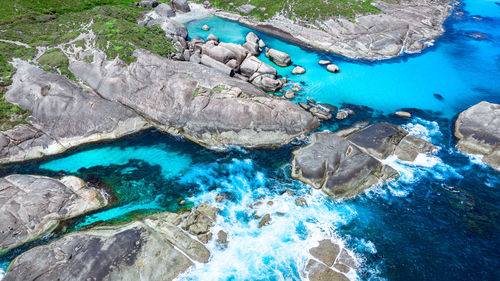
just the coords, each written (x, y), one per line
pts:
(130, 252)
(478, 132)
(403, 114)
(171, 94)
(32, 206)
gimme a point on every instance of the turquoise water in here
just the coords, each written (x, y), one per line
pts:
(461, 69)
(439, 221)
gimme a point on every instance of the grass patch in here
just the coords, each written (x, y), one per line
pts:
(56, 61)
(302, 11)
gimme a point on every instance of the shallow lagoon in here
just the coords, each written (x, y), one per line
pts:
(439, 221)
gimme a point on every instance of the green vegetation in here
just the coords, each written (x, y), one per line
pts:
(56, 60)
(55, 23)
(306, 11)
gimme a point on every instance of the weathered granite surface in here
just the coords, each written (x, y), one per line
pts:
(63, 115)
(403, 27)
(151, 249)
(345, 164)
(31, 206)
(329, 261)
(197, 102)
(478, 132)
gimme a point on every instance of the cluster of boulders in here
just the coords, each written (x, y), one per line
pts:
(329, 261)
(127, 252)
(32, 206)
(478, 132)
(325, 111)
(238, 60)
(345, 163)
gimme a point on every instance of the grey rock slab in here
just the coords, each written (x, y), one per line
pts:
(319, 272)
(379, 139)
(478, 132)
(163, 91)
(31, 206)
(63, 115)
(326, 252)
(151, 250)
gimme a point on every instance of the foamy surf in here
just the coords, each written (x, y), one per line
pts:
(277, 251)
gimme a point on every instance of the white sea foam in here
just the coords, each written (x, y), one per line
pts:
(422, 128)
(278, 251)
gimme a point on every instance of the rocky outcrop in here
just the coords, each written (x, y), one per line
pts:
(63, 115)
(478, 132)
(197, 102)
(345, 166)
(151, 249)
(400, 27)
(329, 262)
(181, 5)
(31, 206)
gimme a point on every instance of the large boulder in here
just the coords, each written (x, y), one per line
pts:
(278, 57)
(188, 99)
(215, 64)
(337, 167)
(63, 115)
(478, 132)
(31, 206)
(252, 65)
(165, 11)
(219, 53)
(181, 5)
(151, 249)
(173, 28)
(345, 163)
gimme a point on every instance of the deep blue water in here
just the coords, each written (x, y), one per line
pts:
(439, 221)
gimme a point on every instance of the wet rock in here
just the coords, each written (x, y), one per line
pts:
(219, 197)
(278, 57)
(266, 219)
(410, 146)
(205, 238)
(403, 114)
(252, 37)
(320, 272)
(222, 237)
(270, 203)
(304, 105)
(338, 168)
(212, 37)
(297, 88)
(205, 27)
(342, 114)
(261, 43)
(127, 252)
(289, 94)
(333, 68)
(200, 220)
(34, 205)
(326, 252)
(322, 115)
(181, 5)
(324, 62)
(379, 139)
(298, 70)
(477, 131)
(300, 201)
(164, 10)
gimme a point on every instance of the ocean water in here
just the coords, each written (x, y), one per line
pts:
(439, 221)
(461, 69)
